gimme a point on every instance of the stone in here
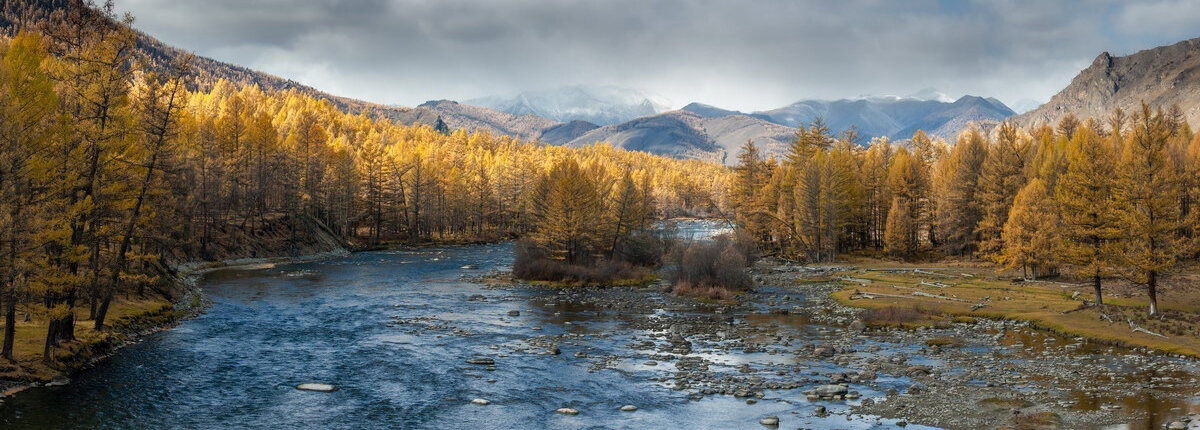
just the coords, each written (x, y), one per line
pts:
(481, 360)
(567, 411)
(823, 351)
(553, 350)
(857, 326)
(514, 313)
(1177, 425)
(830, 390)
(470, 267)
(480, 402)
(628, 408)
(820, 411)
(771, 421)
(58, 381)
(316, 386)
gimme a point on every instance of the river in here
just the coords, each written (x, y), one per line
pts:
(393, 330)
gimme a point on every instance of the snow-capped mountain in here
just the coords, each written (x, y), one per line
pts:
(597, 104)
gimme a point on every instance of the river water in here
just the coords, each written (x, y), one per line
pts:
(393, 330)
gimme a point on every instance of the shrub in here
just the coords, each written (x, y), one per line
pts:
(531, 263)
(713, 269)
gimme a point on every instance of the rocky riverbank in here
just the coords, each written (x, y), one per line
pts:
(789, 342)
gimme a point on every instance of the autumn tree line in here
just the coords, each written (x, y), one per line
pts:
(112, 170)
(1101, 198)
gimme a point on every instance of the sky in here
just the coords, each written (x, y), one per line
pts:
(744, 55)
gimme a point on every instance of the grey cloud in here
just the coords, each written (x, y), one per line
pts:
(740, 55)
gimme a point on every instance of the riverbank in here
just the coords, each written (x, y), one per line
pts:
(934, 293)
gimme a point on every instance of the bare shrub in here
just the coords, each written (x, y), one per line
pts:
(531, 263)
(713, 269)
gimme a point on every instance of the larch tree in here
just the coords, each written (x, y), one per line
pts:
(1031, 233)
(1088, 212)
(956, 188)
(905, 179)
(1002, 176)
(1147, 194)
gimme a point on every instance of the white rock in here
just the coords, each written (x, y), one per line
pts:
(628, 408)
(481, 402)
(770, 421)
(316, 386)
(567, 411)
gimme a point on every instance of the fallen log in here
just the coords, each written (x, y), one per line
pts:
(1134, 327)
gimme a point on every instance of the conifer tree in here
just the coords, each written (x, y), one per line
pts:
(1147, 195)
(957, 184)
(1030, 234)
(1089, 216)
(1002, 176)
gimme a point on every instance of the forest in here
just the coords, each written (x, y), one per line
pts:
(114, 168)
(1113, 198)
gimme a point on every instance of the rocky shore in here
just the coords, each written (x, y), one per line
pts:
(788, 341)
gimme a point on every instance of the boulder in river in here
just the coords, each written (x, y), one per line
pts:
(628, 408)
(829, 391)
(567, 411)
(481, 360)
(771, 421)
(514, 313)
(58, 381)
(316, 386)
(481, 402)
(470, 267)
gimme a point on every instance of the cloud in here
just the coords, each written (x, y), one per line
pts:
(739, 55)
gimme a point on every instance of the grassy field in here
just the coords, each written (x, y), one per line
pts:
(928, 293)
(126, 315)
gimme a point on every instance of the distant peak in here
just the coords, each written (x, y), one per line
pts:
(1103, 60)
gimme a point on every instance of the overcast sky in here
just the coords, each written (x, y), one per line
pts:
(746, 55)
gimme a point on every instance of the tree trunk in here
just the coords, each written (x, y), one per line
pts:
(1096, 286)
(10, 323)
(1152, 287)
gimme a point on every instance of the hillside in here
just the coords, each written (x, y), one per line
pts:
(685, 134)
(1162, 77)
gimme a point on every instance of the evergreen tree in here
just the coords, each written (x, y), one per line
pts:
(1030, 234)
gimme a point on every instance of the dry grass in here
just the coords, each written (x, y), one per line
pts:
(125, 316)
(1047, 304)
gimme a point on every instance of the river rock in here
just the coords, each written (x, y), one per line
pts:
(823, 351)
(481, 360)
(514, 313)
(829, 391)
(771, 421)
(1177, 425)
(628, 408)
(820, 411)
(58, 381)
(481, 402)
(316, 386)
(857, 326)
(567, 411)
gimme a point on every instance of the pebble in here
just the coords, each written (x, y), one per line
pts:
(481, 402)
(481, 360)
(771, 421)
(628, 408)
(514, 313)
(567, 411)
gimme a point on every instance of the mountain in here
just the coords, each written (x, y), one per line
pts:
(710, 111)
(892, 117)
(602, 105)
(1162, 76)
(685, 134)
(462, 116)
